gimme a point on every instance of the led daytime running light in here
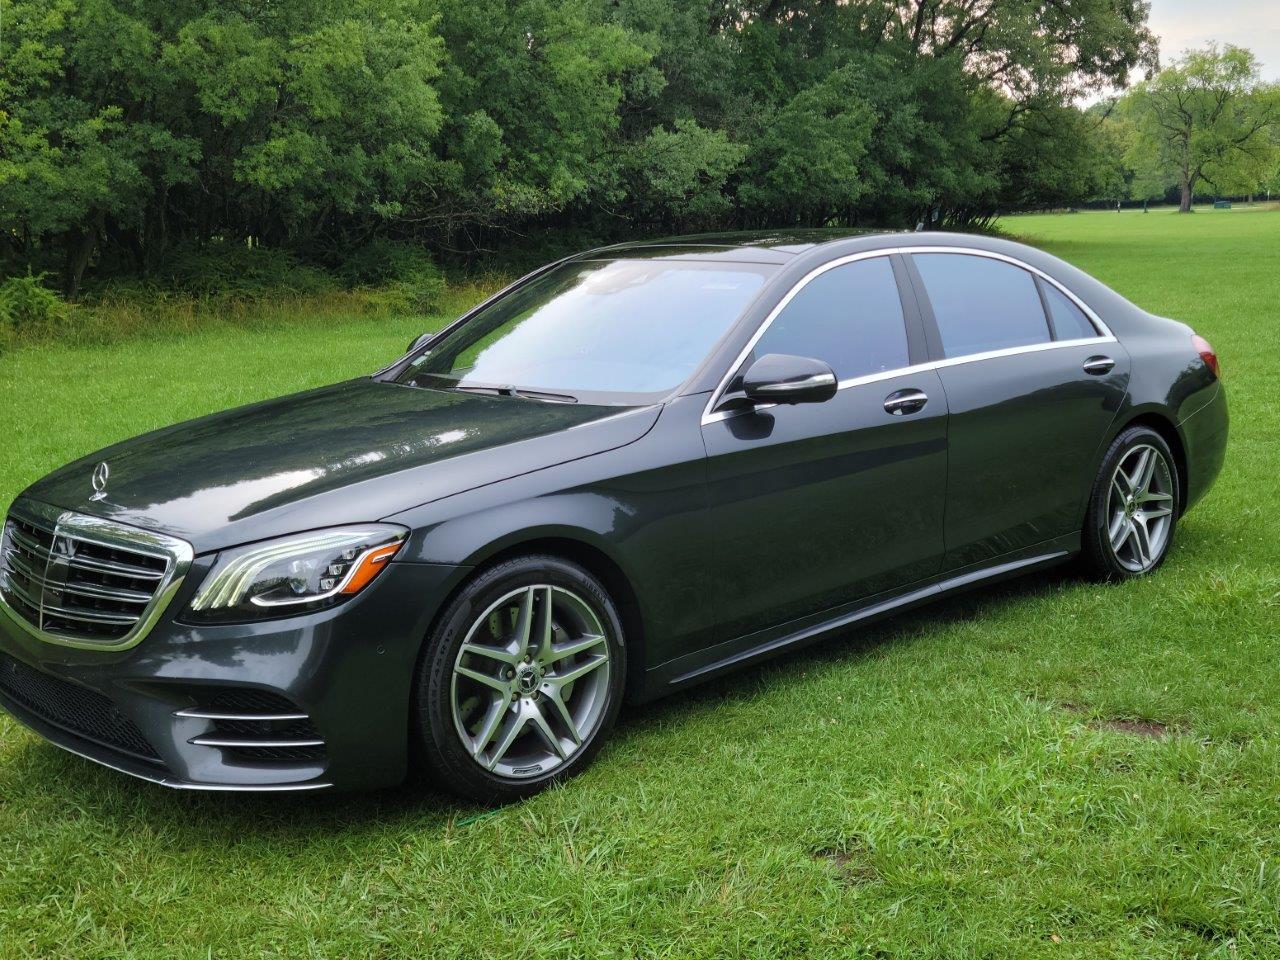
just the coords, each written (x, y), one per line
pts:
(230, 585)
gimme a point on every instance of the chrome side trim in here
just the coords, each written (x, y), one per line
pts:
(711, 415)
(911, 598)
(242, 742)
(225, 715)
(177, 555)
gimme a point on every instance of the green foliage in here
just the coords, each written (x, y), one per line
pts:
(135, 131)
(29, 309)
(240, 271)
(1205, 118)
(403, 277)
(680, 174)
(805, 163)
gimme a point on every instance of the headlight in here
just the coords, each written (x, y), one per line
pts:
(307, 571)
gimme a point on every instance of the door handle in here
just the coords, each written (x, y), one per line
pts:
(1098, 365)
(902, 402)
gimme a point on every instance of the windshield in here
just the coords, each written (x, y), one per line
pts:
(601, 331)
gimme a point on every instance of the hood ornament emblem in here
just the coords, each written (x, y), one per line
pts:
(99, 481)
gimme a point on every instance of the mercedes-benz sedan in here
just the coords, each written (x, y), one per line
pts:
(630, 471)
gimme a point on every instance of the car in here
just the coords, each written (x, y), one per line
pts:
(630, 471)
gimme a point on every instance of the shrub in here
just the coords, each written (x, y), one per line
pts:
(29, 309)
(406, 279)
(239, 271)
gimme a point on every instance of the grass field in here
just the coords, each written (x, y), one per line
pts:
(1050, 768)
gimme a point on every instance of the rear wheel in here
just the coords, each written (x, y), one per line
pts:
(1133, 509)
(521, 680)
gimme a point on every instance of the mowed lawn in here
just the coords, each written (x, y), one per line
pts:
(1051, 768)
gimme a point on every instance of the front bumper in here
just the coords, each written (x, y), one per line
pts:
(338, 681)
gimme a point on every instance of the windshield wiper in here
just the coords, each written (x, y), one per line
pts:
(544, 395)
(503, 390)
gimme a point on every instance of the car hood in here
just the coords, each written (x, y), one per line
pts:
(353, 452)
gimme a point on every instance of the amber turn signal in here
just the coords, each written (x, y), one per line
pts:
(368, 567)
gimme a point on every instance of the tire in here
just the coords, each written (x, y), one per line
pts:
(512, 713)
(1133, 507)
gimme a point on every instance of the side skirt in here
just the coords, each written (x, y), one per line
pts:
(728, 656)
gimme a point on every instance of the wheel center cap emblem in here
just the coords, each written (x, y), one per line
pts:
(527, 679)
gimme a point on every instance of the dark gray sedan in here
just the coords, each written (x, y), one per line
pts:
(630, 471)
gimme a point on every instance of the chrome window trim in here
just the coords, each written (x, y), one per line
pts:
(711, 415)
(1103, 330)
(176, 553)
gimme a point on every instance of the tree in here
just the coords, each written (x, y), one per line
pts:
(136, 133)
(1205, 118)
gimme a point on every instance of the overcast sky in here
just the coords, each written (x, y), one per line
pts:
(1247, 23)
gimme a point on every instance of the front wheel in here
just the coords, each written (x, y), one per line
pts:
(521, 679)
(1133, 508)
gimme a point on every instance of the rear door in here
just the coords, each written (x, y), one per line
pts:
(1032, 385)
(814, 505)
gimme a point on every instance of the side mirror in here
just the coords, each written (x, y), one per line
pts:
(781, 378)
(418, 341)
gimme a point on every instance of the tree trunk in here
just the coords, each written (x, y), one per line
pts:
(80, 247)
(1185, 206)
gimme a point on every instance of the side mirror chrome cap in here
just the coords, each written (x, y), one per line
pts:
(419, 341)
(781, 378)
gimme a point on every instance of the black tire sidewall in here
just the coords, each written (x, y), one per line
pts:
(450, 764)
(1100, 560)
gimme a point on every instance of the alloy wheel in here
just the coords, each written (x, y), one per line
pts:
(1140, 508)
(530, 682)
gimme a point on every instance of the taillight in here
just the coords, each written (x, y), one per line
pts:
(1206, 352)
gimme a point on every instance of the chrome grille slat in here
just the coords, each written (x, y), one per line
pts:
(21, 561)
(118, 594)
(85, 581)
(90, 616)
(119, 569)
(22, 593)
(31, 546)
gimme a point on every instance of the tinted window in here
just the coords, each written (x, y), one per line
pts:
(849, 317)
(614, 330)
(982, 304)
(1069, 321)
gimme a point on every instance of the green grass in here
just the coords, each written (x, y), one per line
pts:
(950, 784)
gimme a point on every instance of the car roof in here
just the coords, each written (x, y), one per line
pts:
(751, 246)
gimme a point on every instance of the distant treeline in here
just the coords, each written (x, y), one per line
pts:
(133, 132)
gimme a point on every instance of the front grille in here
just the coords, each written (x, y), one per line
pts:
(81, 578)
(257, 725)
(73, 708)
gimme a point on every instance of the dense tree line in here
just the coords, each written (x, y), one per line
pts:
(131, 129)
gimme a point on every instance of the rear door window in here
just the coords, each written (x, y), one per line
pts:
(982, 304)
(1069, 321)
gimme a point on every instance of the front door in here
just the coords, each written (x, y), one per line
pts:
(816, 505)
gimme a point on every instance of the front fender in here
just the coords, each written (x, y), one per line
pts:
(641, 506)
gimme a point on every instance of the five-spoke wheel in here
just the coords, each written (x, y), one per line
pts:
(1141, 507)
(530, 681)
(521, 680)
(1134, 506)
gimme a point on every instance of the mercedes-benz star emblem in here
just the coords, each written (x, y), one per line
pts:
(99, 480)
